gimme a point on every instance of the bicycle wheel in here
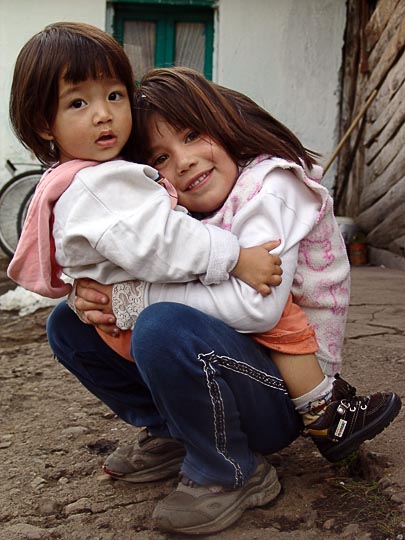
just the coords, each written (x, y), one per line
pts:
(23, 210)
(12, 194)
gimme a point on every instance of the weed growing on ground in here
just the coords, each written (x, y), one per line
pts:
(351, 498)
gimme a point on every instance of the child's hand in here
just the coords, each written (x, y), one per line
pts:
(93, 301)
(259, 268)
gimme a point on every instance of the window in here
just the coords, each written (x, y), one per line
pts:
(162, 34)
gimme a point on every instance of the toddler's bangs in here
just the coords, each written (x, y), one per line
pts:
(92, 61)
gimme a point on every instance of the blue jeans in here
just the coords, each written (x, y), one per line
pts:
(195, 379)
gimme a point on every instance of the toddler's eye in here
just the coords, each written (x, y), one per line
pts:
(115, 96)
(78, 104)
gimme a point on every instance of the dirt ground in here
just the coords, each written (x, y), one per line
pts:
(54, 437)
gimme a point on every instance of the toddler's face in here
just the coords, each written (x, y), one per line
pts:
(200, 170)
(93, 120)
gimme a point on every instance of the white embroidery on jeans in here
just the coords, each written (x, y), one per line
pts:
(209, 360)
(244, 369)
(219, 416)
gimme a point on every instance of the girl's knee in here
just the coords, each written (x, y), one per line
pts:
(67, 334)
(163, 319)
(161, 332)
(57, 322)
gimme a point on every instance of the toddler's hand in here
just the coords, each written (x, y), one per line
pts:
(259, 268)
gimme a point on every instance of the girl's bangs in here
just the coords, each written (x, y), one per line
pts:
(90, 62)
(181, 115)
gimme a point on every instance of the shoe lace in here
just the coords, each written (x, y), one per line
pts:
(354, 402)
(342, 389)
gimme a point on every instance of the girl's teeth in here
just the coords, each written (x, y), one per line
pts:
(198, 181)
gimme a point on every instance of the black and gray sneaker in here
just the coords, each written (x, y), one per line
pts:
(150, 458)
(349, 420)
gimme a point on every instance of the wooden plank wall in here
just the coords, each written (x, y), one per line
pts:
(371, 168)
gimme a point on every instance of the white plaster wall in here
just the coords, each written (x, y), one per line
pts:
(286, 55)
(19, 20)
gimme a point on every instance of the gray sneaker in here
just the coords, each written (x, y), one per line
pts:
(193, 509)
(151, 458)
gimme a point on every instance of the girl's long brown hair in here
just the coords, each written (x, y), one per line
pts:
(186, 100)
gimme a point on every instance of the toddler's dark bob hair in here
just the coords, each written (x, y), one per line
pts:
(76, 51)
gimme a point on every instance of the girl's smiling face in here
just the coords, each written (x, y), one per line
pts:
(201, 171)
(93, 120)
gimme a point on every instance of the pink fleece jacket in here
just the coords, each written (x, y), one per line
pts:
(34, 266)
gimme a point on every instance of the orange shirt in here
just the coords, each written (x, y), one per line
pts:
(292, 335)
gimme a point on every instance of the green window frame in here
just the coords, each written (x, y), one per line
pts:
(165, 15)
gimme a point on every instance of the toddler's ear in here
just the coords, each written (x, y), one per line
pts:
(46, 134)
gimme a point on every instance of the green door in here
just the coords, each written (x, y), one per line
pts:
(156, 34)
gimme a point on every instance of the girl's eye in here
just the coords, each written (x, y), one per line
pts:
(159, 161)
(78, 104)
(192, 136)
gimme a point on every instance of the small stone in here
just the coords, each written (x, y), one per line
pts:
(38, 482)
(63, 480)
(78, 507)
(390, 490)
(385, 482)
(74, 431)
(329, 524)
(104, 478)
(398, 497)
(5, 444)
(48, 507)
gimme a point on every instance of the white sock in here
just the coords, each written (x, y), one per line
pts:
(316, 397)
